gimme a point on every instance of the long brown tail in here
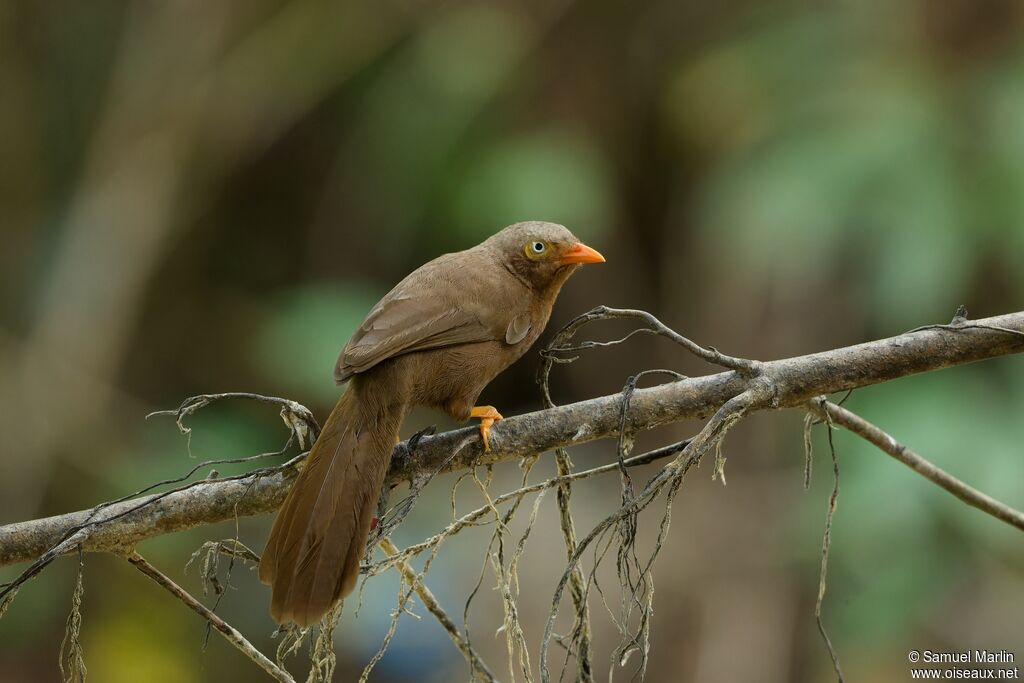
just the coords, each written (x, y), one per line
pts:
(319, 537)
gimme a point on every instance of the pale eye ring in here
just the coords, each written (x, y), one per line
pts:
(538, 247)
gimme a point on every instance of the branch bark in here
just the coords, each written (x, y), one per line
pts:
(793, 382)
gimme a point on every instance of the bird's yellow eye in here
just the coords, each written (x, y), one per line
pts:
(535, 250)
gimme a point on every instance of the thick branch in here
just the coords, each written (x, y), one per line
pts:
(793, 381)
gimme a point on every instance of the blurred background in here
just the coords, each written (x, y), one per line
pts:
(203, 197)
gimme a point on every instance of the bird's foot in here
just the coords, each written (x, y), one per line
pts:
(488, 415)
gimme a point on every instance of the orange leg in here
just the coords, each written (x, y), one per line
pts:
(488, 416)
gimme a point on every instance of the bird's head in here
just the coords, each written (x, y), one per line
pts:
(542, 254)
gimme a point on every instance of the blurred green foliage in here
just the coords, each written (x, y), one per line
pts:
(551, 173)
(301, 337)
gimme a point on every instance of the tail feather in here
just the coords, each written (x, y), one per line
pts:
(319, 537)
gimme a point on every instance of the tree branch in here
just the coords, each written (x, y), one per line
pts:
(793, 382)
(229, 632)
(887, 444)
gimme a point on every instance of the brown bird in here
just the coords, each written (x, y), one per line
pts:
(436, 339)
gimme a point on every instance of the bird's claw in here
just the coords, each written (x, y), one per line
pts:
(487, 415)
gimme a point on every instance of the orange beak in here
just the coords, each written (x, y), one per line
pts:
(581, 253)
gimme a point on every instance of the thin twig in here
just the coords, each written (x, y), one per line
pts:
(826, 545)
(229, 632)
(743, 366)
(887, 444)
(296, 416)
(431, 603)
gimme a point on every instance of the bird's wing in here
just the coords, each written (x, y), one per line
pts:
(424, 311)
